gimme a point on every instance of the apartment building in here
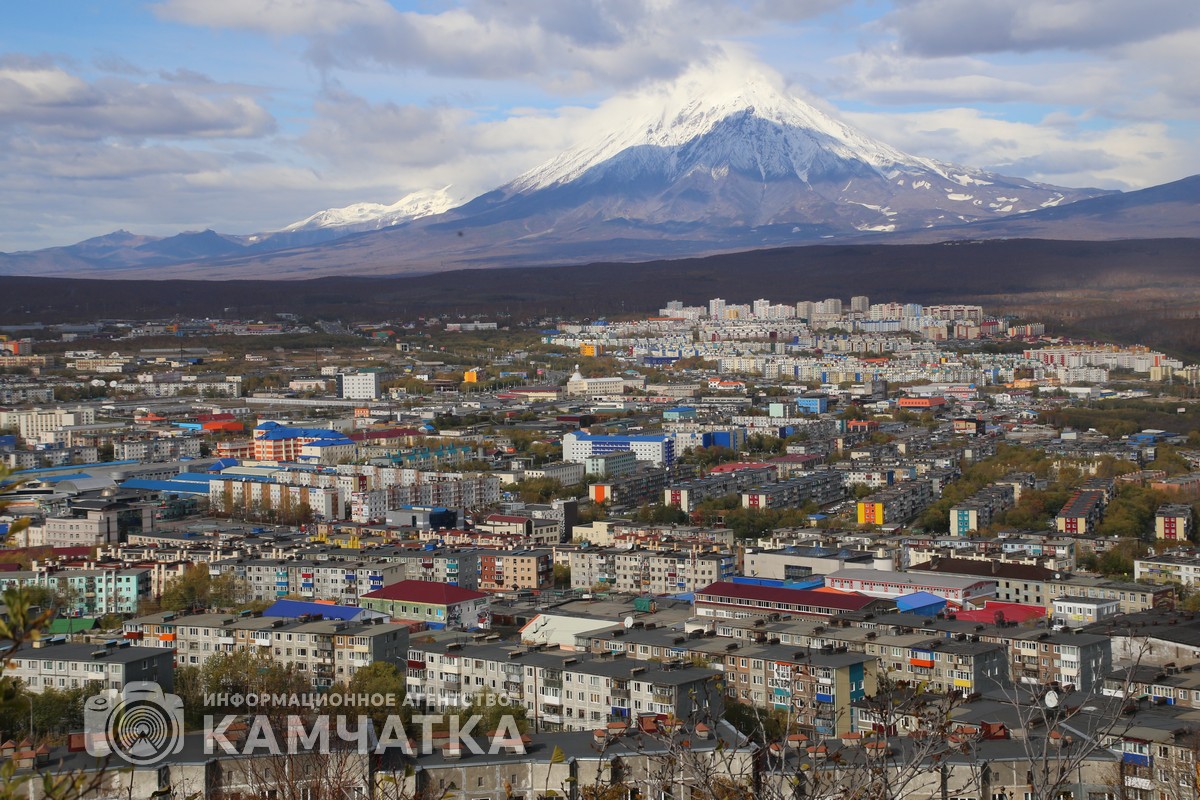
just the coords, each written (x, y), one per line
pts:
(88, 592)
(1133, 597)
(816, 689)
(157, 449)
(649, 571)
(1082, 513)
(229, 494)
(895, 505)
(568, 473)
(55, 664)
(563, 690)
(1175, 566)
(1076, 612)
(978, 510)
(505, 570)
(1173, 522)
(341, 581)
(608, 465)
(1082, 660)
(32, 424)
(687, 494)
(821, 488)
(644, 485)
(326, 651)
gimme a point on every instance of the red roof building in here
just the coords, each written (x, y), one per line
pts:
(438, 605)
(734, 600)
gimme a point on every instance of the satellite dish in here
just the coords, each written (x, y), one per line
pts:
(628, 622)
(113, 384)
(1050, 699)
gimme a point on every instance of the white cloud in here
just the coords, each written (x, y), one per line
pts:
(1058, 150)
(953, 27)
(50, 99)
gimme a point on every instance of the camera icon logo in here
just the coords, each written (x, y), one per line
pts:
(142, 725)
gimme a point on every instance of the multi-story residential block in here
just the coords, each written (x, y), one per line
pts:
(32, 424)
(816, 689)
(961, 664)
(1175, 566)
(821, 488)
(563, 690)
(1081, 660)
(326, 651)
(170, 449)
(611, 465)
(53, 664)
(1173, 522)
(978, 510)
(358, 385)
(644, 485)
(1082, 513)
(520, 570)
(343, 581)
(1134, 597)
(649, 571)
(234, 494)
(87, 591)
(568, 473)
(895, 505)
(686, 494)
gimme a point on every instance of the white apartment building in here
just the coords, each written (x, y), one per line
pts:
(54, 664)
(32, 424)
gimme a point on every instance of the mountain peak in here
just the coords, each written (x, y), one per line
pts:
(372, 216)
(786, 134)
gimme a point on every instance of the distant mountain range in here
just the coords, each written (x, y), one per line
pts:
(707, 172)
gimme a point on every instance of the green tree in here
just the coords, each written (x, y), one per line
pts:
(562, 576)
(379, 678)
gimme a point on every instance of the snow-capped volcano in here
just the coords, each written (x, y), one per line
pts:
(715, 162)
(747, 153)
(372, 216)
(697, 109)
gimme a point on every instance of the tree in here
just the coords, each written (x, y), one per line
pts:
(197, 589)
(562, 576)
(380, 678)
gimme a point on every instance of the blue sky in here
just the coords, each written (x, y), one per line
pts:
(246, 115)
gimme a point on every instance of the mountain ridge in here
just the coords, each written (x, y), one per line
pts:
(706, 170)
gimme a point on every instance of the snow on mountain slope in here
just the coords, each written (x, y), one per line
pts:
(372, 216)
(695, 108)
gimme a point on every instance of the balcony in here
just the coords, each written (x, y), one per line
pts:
(551, 700)
(555, 719)
(664, 699)
(620, 694)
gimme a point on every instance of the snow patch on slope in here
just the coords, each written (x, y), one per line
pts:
(376, 215)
